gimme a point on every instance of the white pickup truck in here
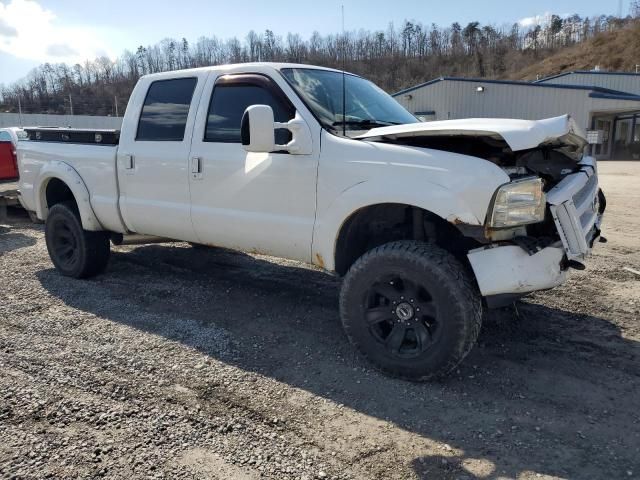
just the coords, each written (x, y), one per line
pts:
(428, 223)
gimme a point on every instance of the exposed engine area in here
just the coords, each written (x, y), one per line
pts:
(551, 162)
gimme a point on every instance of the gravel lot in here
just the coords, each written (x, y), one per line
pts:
(182, 363)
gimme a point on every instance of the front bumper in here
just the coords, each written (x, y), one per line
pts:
(577, 207)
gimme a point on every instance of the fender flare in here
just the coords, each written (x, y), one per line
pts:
(439, 201)
(67, 174)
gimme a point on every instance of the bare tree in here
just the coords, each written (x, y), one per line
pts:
(394, 58)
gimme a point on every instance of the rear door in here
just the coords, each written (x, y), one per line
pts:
(153, 156)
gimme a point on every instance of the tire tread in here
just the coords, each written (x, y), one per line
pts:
(97, 250)
(424, 255)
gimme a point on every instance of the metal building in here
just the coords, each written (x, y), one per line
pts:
(622, 81)
(615, 113)
(48, 120)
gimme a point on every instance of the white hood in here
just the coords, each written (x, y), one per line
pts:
(519, 134)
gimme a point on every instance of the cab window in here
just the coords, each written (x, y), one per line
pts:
(231, 97)
(165, 110)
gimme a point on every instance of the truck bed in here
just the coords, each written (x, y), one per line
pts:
(73, 135)
(94, 163)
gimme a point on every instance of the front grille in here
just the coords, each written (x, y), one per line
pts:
(575, 209)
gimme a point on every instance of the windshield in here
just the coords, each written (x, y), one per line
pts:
(368, 106)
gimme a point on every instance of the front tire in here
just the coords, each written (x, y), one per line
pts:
(411, 309)
(74, 252)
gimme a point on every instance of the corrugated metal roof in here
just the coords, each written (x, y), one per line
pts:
(599, 90)
(585, 72)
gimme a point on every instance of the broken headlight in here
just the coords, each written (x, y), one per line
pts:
(518, 203)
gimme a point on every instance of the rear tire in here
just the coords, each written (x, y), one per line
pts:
(411, 309)
(74, 252)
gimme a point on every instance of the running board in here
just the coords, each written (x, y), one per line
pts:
(137, 239)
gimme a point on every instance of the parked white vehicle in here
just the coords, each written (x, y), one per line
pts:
(428, 222)
(12, 134)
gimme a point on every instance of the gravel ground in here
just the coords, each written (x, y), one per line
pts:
(182, 363)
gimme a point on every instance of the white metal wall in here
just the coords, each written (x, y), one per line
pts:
(629, 83)
(452, 99)
(42, 120)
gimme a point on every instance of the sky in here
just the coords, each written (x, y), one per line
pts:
(36, 31)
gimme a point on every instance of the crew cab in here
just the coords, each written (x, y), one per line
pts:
(427, 223)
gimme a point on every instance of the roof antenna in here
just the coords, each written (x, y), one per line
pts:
(344, 85)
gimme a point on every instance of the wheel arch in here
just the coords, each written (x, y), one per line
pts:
(440, 205)
(55, 181)
(373, 225)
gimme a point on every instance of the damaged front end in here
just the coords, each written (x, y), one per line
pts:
(542, 222)
(539, 257)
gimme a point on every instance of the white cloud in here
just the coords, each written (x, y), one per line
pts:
(542, 20)
(29, 31)
(7, 30)
(535, 20)
(61, 50)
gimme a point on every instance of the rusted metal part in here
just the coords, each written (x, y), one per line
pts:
(318, 260)
(456, 221)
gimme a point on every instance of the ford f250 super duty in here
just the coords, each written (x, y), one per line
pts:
(427, 223)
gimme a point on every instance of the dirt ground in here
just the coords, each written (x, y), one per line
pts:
(183, 363)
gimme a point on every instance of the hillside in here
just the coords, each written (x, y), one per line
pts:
(395, 58)
(618, 50)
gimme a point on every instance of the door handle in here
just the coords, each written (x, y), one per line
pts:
(129, 162)
(196, 168)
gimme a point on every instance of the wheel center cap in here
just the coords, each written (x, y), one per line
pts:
(404, 311)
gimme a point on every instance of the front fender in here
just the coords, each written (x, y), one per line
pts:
(415, 192)
(66, 173)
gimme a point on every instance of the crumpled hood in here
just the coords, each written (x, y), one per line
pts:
(518, 134)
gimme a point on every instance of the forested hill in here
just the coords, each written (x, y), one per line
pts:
(617, 50)
(395, 58)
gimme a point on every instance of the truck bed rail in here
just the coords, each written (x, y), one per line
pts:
(73, 135)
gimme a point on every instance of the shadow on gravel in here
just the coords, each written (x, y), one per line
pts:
(13, 241)
(549, 392)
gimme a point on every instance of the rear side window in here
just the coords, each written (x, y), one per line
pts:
(165, 110)
(228, 104)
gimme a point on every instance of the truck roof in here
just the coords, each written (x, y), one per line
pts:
(259, 67)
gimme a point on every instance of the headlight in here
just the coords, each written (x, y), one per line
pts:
(518, 203)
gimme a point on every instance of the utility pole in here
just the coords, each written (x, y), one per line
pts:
(20, 110)
(70, 105)
(115, 98)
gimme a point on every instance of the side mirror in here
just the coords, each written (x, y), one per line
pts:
(257, 131)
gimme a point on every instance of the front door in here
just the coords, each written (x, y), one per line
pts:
(256, 202)
(153, 157)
